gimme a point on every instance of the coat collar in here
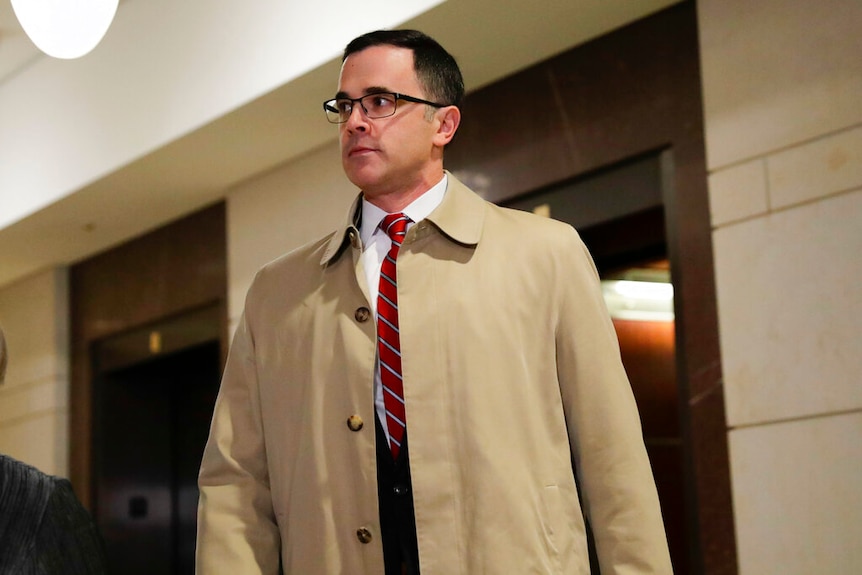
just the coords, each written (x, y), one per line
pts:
(348, 232)
(459, 217)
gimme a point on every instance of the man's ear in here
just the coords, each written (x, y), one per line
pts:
(449, 119)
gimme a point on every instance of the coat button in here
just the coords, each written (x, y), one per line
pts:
(401, 489)
(364, 535)
(355, 423)
(362, 314)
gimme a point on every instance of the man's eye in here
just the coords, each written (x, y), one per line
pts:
(381, 101)
(343, 106)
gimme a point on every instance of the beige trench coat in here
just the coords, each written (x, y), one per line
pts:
(511, 370)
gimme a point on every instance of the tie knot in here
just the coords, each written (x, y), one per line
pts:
(395, 226)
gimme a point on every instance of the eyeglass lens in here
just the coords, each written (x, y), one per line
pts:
(374, 105)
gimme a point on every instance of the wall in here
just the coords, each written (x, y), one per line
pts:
(783, 115)
(34, 315)
(282, 210)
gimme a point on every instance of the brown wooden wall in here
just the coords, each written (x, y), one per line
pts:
(174, 270)
(631, 92)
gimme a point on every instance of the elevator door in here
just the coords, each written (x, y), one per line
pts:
(152, 423)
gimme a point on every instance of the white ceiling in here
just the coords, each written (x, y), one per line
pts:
(489, 41)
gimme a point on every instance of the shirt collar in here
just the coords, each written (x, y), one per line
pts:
(460, 216)
(417, 210)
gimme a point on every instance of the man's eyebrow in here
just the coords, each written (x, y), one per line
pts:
(367, 91)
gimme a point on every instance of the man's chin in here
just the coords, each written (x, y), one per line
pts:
(362, 178)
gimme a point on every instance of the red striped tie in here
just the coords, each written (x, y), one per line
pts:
(388, 340)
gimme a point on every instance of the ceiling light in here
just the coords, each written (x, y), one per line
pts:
(654, 291)
(640, 294)
(639, 300)
(65, 28)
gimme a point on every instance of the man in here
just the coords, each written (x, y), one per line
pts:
(398, 401)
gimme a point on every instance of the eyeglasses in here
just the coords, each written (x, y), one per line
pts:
(377, 105)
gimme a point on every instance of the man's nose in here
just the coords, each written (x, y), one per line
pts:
(357, 120)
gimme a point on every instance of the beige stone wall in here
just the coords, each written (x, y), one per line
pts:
(782, 87)
(282, 210)
(34, 402)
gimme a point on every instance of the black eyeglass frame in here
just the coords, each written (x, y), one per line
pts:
(329, 105)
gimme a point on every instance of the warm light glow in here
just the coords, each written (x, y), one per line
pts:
(639, 300)
(65, 28)
(644, 290)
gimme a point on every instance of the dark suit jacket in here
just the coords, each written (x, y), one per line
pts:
(44, 530)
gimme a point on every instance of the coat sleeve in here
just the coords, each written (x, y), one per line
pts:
(237, 531)
(617, 485)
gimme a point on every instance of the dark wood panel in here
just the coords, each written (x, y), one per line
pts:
(599, 197)
(175, 269)
(667, 466)
(511, 137)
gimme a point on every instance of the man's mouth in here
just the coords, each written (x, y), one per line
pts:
(359, 151)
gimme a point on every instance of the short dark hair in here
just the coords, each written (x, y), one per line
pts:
(436, 69)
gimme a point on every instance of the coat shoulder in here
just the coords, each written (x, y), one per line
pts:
(299, 260)
(289, 278)
(528, 227)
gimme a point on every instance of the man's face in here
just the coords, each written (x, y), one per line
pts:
(393, 155)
